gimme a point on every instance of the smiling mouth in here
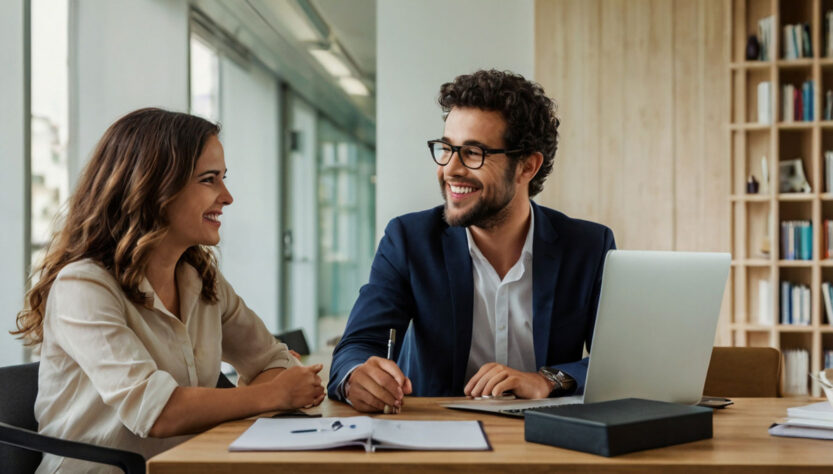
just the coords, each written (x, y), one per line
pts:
(213, 217)
(461, 191)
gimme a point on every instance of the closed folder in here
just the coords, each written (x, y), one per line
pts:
(617, 426)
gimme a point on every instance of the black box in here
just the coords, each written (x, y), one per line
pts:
(618, 426)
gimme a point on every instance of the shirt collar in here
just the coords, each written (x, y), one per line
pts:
(526, 252)
(189, 286)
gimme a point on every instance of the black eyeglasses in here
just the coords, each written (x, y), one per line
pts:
(472, 156)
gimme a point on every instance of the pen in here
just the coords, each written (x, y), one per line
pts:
(391, 343)
(337, 425)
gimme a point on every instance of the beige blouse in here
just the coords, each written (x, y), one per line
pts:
(108, 365)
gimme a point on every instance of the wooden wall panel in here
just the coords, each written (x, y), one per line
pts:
(643, 94)
(642, 91)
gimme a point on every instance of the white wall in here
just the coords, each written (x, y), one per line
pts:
(249, 248)
(13, 177)
(125, 54)
(421, 45)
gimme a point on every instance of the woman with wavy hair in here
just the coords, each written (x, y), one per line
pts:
(133, 316)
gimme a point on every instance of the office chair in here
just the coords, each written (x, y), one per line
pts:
(744, 372)
(20, 443)
(295, 340)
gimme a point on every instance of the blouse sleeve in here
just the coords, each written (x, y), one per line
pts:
(86, 318)
(247, 343)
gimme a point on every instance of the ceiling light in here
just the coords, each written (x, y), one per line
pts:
(332, 63)
(353, 86)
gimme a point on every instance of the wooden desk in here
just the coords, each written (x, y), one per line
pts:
(740, 444)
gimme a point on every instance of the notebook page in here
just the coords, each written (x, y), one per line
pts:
(429, 435)
(276, 434)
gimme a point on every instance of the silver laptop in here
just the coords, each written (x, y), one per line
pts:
(655, 328)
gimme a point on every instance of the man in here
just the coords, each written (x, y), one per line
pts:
(497, 293)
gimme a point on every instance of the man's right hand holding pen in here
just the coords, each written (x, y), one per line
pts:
(376, 383)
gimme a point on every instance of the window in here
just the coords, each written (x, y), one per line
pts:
(205, 80)
(49, 127)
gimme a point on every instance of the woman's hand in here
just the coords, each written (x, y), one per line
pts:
(297, 387)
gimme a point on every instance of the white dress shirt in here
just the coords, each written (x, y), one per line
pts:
(502, 311)
(108, 366)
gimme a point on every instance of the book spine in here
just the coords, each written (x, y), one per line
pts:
(764, 103)
(764, 303)
(785, 302)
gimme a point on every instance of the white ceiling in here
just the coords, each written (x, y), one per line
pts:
(354, 24)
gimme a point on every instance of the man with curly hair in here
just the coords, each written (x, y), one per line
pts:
(497, 293)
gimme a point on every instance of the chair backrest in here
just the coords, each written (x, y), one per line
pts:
(295, 340)
(18, 391)
(744, 372)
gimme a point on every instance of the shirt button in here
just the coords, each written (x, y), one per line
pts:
(502, 327)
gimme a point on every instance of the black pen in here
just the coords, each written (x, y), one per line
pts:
(391, 343)
(334, 427)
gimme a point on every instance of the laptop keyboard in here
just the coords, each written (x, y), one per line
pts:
(519, 412)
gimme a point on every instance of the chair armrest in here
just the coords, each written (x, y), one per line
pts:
(127, 461)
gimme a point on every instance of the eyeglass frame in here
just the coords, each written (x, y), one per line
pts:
(456, 149)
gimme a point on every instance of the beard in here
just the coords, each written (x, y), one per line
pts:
(487, 212)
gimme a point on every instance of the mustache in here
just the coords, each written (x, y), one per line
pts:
(470, 182)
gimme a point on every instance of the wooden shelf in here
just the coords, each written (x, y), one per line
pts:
(757, 226)
(754, 197)
(752, 327)
(752, 126)
(752, 263)
(798, 125)
(809, 197)
(795, 63)
(751, 65)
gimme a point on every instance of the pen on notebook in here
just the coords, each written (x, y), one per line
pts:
(391, 343)
(334, 427)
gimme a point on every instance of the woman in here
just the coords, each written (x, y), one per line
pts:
(132, 313)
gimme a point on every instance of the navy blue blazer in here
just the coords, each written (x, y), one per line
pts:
(421, 281)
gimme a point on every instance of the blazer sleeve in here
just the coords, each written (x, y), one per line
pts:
(578, 369)
(385, 302)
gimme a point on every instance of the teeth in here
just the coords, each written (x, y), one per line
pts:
(213, 217)
(460, 189)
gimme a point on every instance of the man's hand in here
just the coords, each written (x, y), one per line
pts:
(494, 379)
(376, 383)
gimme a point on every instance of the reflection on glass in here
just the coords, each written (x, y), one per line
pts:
(49, 120)
(346, 202)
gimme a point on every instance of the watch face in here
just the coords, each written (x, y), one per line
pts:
(549, 373)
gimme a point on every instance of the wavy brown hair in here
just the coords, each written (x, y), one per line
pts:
(531, 122)
(117, 214)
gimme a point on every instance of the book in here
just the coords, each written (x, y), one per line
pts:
(787, 105)
(790, 429)
(828, 305)
(796, 368)
(764, 102)
(764, 303)
(814, 411)
(301, 434)
(617, 426)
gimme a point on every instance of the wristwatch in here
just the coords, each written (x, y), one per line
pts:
(562, 383)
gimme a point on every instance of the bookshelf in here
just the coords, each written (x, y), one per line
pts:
(756, 218)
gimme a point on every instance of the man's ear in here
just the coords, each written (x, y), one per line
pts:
(529, 166)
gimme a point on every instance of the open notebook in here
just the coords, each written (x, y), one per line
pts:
(292, 434)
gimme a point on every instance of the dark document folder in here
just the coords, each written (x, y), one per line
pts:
(618, 426)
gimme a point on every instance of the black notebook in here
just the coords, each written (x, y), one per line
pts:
(617, 426)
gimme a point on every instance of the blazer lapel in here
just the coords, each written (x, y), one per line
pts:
(461, 286)
(546, 259)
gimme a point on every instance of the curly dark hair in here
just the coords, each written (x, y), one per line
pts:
(531, 124)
